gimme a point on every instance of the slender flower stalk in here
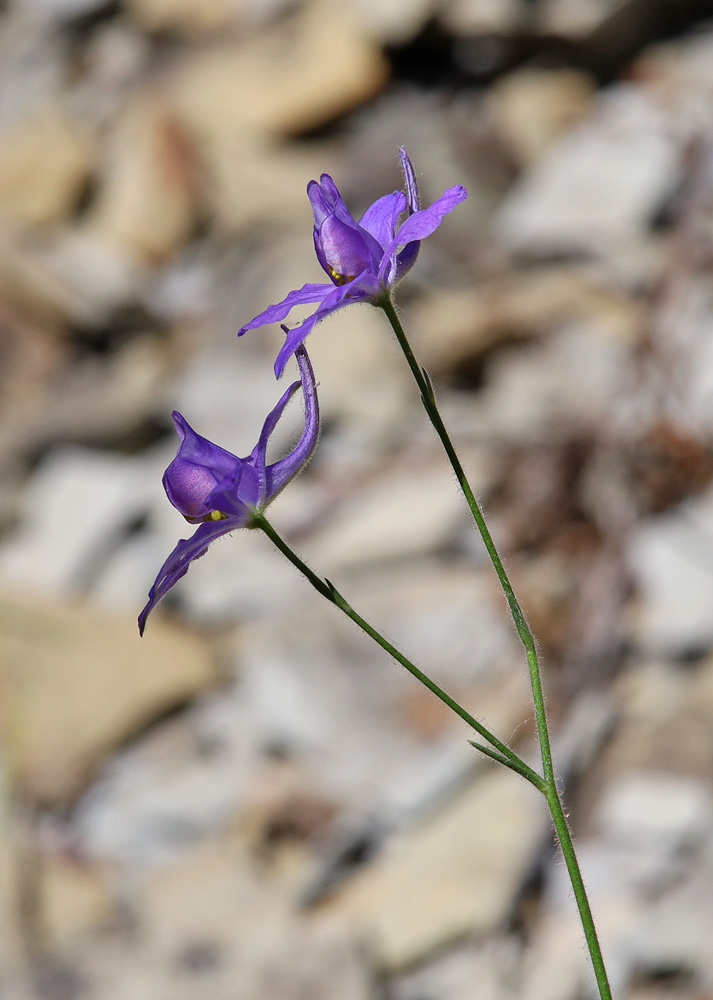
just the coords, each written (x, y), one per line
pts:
(550, 790)
(501, 752)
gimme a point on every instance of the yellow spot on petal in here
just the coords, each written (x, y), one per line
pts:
(340, 279)
(215, 515)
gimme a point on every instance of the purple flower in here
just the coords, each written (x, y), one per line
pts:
(219, 491)
(363, 259)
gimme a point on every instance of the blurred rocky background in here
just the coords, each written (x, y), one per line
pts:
(253, 803)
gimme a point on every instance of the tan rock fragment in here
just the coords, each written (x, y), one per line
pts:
(217, 900)
(533, 107)
(293, 77)
(10, 935)
(456, 874)
(75, 682)
(45, 159)
(185, 17)
(148, 192)
(74, 899)
(575, 18)
(465, 16)
(463, 323)
(394, 21)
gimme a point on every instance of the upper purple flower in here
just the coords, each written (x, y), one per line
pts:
(221, 492)
(363, 259)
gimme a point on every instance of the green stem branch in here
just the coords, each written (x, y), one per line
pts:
(502, 752)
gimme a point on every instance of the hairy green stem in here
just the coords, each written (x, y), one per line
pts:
(523, 630)
(502, 753)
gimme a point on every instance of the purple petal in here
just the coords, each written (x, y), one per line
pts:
(199, 466)
(381, 217)
(257, 458)
(364, 287)
(336, 203)
(273, 314)
(193, 447)
(183, 555)
(280, 473)
(342, 246)
(321, 206)
(410, 178)
(421, 224)
(347, 250)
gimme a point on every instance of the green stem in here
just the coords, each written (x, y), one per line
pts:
(580, 893)
(526, 637)
(502, 752)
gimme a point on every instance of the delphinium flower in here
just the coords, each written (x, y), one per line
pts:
(219, 491)
(363, 259)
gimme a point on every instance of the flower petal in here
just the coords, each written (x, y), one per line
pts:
(362, 289)
(421, 224)
(280, 473)
(414, 201)
(381, 217)
(199, 466)
(347, 250)
(257, 458)
(193, 447)
(341, 244)
(183, 555)
(277, 312)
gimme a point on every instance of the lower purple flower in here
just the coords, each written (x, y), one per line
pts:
(364, 259)
(221, 492)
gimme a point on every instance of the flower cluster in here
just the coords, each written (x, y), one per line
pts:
(364, 260)
(221, 492)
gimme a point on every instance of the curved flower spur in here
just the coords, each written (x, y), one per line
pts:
(364, 259)
(219, 491)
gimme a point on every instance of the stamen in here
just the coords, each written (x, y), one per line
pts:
(215, 515)
(340, 279)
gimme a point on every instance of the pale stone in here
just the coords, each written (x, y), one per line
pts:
(600, 184)
(650, 809)
(74, 899)
(272, 83)
(554, 965)
(11, 940)
(164, 792)
(393, 21)
(74, 507)
(471, 16)
(491, 966)
(78, 681)
(533, 107)
(236, 161)
(147, 198)
(535, 392)
(674, 578)
(403, 514)
(64, 9)
(75, 277)
(447, 327)
(93, 401)
(185, 17)
(457, 873)
(45, 159)
(217, 896)
(575, 18)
